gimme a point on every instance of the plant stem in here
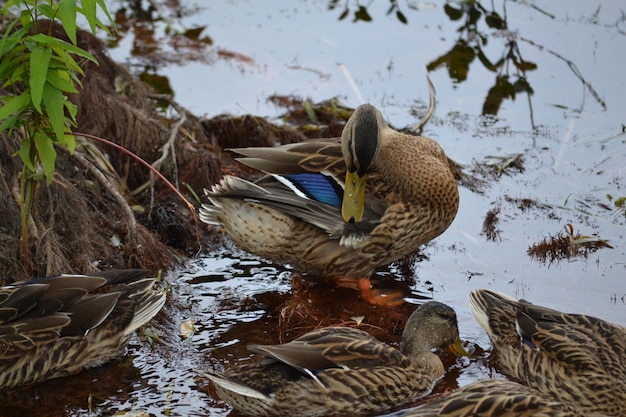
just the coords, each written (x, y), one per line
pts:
(27, 187)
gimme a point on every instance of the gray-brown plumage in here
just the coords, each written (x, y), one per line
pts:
(497, 398)
(576, 359)
(341, 371)
(371, 197)
(56, 326)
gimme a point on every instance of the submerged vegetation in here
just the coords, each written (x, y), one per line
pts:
(566, 245)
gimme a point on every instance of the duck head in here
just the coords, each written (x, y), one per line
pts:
(360, 142)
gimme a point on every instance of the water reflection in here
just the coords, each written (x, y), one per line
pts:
(360, 12)
(67, 396)
(158, 38)
(160, 34)
(510, 67)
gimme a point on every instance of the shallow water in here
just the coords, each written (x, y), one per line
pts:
(569, 131)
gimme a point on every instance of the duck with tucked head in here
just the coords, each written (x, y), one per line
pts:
(59, 325)
(498, 398)
(341, 370)
(339, 208)
(573, 358)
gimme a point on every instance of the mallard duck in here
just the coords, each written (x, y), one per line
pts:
(496, 398)
(574, 358)
(339, 208)
(56, 326)
(340, 370)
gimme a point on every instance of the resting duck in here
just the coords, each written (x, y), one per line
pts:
(576, 359)
(339, 208)
(342, 370)
(56, 326)
(497, 398)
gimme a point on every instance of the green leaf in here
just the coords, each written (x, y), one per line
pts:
(25, 18)
(10, 123)
(56, 42)
(39, 60)
(11, 37)
(47, 10)
(18, 76)
(70, 142)
(104, 9)
(67, 15)
(11, 62)
(24, 153)
(14, 52)
(60, 80)
(47, 154)
(72, 110)
(14, 104)
(89, 10)
(310, 111)
(64, 60)
(53, 100)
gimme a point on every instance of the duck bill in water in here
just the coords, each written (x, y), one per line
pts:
(353, 197)
(457, 348)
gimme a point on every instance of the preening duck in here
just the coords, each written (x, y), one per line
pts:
(339, 208)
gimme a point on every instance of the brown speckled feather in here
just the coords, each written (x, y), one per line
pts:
(497, 398)
(575, 358)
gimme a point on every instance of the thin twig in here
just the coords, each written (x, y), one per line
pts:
(151, 168)
(167, 148)
(574, 69)
(431, 107)
(144, 163)
(130, 216)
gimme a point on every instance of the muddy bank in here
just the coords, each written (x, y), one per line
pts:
(104, 209)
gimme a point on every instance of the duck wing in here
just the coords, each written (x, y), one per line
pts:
(333, 347)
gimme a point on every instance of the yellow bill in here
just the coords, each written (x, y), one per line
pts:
(458, 348)
(353, 197)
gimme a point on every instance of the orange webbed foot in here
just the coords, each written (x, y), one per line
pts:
(388, 298)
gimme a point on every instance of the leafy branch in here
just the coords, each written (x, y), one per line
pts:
(40, 71)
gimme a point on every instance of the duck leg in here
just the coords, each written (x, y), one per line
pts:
(382, 297)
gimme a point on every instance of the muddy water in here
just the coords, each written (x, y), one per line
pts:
(569, 132)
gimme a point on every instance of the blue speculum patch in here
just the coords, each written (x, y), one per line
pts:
(319, 187)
